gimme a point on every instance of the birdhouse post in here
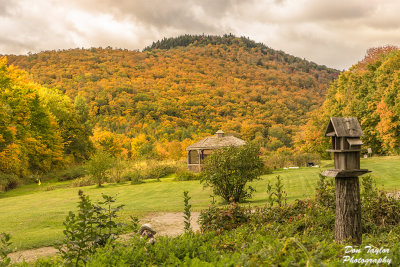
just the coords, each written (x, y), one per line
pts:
(346, 148)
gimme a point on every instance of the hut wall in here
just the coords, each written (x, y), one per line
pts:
(193, 157)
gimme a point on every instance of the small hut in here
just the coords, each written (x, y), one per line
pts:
(198, 151)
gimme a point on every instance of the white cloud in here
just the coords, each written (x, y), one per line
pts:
(335, 33)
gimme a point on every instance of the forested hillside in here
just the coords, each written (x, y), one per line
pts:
(155, 102)
(40, 128)
(370, 91)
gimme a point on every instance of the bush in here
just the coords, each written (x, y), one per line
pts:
(93, 226)
(186, 176)
(325, 194)
(71, 173)
(117, 170)
(5, 249)
(221, 219)
(187, 212)
(380, 212)
(99, 165)
(8, 182)
(229, 169)
(32, 178)
(84, 181)
(276, 194)
(133, 176)
(158, 171)
(280, 160)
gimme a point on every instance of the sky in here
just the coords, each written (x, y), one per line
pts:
(335, 33)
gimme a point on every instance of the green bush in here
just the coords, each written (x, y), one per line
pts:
(133, 175)
(91, 227)
(158, 171)
(99, 165)
(280, 160)
(229, 169)
(325, 194)
(221, 219)
(32, 178)
(380, 212)
(186, 176)
(5, 249)
(187, 212)
(84, 181)
(8, 182)
(71, 173)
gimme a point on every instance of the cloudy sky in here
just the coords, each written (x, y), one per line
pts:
(335, 33)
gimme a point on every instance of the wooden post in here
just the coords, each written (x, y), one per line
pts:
(348, 210)
(346, 147)
(199, 166)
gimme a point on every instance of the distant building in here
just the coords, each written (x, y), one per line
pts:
(198, 151)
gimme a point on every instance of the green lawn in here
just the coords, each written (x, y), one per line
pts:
(34, 216)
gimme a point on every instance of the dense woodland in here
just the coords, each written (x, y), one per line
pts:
(369, 90)
(156, 102)
(40, 128)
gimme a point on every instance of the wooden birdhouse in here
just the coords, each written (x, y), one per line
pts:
(346, 147)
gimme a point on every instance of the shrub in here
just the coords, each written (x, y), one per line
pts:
(186, 176)
(71, 173)
(225, 218)
(99, 166)
(92, 227)
(280, 160)
(158, 171)
(32, 178)
(229, 169)
(84, 181)
(117, 171)
(134, 176)
(380, 212)
(325, 194)
(276, 193)
(187, 213)
(5, 249)
(8, 182)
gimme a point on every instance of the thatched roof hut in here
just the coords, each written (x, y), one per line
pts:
(198, 151)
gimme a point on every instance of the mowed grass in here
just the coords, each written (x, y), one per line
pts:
(34, 216)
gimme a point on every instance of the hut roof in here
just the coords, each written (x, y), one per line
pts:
(214, 142)
(344, 127)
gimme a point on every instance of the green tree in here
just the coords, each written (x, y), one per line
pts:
(99, 165)
(229, 169)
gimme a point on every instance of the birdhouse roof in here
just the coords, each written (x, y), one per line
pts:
(344, 127)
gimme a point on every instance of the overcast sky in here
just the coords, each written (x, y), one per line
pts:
(335, 33)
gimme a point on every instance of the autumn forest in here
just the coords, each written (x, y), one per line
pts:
(57, 107)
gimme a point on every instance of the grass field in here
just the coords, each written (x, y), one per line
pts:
(34, 216)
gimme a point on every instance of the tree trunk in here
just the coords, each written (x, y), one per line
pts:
(348, 210)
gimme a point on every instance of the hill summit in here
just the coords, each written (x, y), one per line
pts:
(181, 89)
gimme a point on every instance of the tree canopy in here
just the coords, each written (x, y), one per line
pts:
(39, 127)
(182, 89)
(370, 91)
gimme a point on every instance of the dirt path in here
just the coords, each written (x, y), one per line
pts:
(165, 223)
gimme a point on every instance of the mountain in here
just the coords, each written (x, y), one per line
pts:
(181, 89)
(370, 91)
